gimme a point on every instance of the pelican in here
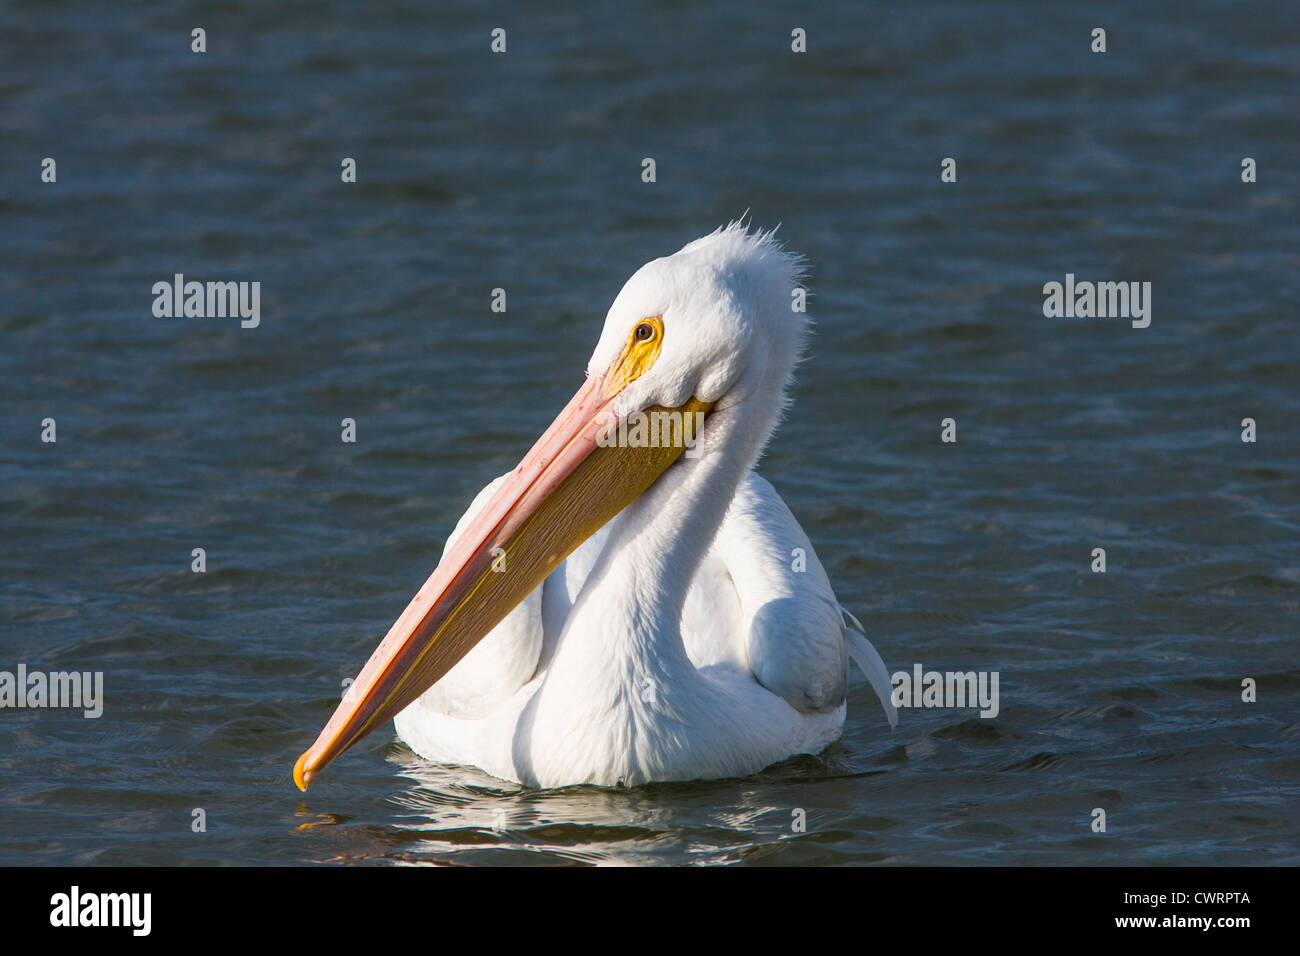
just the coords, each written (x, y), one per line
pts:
(620, 610)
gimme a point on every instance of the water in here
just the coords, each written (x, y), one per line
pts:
(1119, 691)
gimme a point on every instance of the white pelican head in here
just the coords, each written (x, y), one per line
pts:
(707, 331)
(720, 320)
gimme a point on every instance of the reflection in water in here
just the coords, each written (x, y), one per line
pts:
(452, 808)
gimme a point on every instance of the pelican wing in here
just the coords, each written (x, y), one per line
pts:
(763, 601)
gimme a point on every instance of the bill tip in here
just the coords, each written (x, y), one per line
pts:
(301, 775)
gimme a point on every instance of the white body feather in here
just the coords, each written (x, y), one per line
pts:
(764, 677)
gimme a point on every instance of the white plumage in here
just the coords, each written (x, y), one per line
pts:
(696, 635)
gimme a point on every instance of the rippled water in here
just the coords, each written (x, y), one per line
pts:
(522, 171)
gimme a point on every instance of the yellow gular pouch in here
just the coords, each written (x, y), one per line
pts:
(640, 353)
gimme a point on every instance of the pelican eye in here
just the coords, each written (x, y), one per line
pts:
(639, 354)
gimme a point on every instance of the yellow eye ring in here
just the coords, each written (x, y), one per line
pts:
(639, 354)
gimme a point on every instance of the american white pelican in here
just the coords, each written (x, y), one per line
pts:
(615, 611)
